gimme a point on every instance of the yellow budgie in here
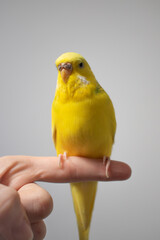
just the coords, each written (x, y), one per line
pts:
(83, 124)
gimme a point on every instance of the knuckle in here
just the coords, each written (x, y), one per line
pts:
(39, 230)
(45, 205)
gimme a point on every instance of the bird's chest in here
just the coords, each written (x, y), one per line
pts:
(82, 129)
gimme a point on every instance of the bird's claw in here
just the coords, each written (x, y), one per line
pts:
(106, 162)
(61, 158)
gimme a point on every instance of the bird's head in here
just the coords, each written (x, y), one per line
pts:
(75, 76)
(72, 63)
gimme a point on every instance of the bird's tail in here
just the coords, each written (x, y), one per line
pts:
(83, 195)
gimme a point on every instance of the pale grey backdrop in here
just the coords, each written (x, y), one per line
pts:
(121, 41)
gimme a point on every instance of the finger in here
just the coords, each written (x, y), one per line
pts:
(118, 171)
(36, 201)
(21, 170)
(77, 169)
(14, 223)
(39, 230)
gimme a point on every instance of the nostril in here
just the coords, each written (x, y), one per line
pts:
(67, 66)
(59, 67)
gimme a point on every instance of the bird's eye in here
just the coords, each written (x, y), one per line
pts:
(81, 65)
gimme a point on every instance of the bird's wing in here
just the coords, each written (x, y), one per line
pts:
(110, 109)
(54, 131)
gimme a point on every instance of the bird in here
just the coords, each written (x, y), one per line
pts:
(84, 125)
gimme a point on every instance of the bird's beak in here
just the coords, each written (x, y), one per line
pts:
(65, 70)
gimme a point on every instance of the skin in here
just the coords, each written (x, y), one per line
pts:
(24, 204)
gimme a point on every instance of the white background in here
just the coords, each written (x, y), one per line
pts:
(121, 42)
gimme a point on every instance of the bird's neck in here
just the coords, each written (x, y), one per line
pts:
(75, 90)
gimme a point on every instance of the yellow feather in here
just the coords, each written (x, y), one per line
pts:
(83, 124)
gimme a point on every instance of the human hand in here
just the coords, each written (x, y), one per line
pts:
(21, 220)
(24, 204)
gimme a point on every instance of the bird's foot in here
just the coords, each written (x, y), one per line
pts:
(61, 159)
(106, 162)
